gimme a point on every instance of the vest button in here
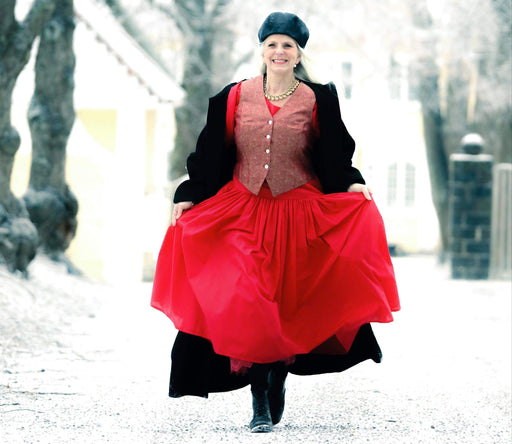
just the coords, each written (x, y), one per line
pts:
(268, 136)
(267, 151)
(266, 166)
(270, 122)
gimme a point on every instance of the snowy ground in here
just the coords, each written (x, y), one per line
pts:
(87, 363)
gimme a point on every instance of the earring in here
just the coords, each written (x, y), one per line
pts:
(295, 66)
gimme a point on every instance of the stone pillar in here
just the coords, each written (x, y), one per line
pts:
(470, 203)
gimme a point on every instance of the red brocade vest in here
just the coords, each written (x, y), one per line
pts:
(274, 148)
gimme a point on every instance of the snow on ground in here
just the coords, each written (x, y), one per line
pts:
(84, 362)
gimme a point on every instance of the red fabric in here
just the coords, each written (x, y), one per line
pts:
(265, 278)
(232, 105)
(271, 107)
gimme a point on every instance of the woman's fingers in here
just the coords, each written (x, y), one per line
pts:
(178, 210)
(176, 213)
(367, 193)
(360, 188)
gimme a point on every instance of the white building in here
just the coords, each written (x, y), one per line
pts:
(384, 117)
(117, 151)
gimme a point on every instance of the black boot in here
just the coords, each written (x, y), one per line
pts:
(276, 391)
(259, 377)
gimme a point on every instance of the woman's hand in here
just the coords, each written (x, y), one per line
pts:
(178, 210)
(360, 188)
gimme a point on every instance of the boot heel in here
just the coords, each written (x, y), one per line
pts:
(261, 428)
(261, 421)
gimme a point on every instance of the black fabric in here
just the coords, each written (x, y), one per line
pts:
(197, 370)
(333, 150)
(365, 346)
(284, 23)
(212, 164)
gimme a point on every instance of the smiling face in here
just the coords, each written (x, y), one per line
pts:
(280, 53)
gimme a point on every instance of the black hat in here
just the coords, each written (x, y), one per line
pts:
(284, 23)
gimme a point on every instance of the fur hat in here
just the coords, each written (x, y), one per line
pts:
(284, 23)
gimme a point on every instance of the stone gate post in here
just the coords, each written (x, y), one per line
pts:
(470, 204)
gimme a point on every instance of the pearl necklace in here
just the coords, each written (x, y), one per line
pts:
(272, 98)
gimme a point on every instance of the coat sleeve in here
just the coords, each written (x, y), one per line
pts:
(210, 165)
(333, 151)
(193, 189)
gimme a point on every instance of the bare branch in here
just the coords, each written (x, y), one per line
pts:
(34, 21)
(131, 27)
(20, 43)
(174, 13)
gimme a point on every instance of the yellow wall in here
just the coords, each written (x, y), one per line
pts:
(87, 182)
(21, 173)
(150, 150)
(85, 172)
(101, 125)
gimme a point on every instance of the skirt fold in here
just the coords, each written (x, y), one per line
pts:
(264, 278)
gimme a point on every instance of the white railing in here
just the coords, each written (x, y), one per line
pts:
(501, 228)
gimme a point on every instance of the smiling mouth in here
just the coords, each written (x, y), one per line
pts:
(279, 61)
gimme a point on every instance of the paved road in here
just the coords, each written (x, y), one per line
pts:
(101, 376)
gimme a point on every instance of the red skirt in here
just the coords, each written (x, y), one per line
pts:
(265, 278)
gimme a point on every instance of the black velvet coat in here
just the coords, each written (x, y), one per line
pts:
(196, 368)
(211, 166)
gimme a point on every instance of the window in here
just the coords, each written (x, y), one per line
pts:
(403, 79)
(392, 184)
(346, 77)
(395, 79)
(413, 80)
(410, 185)
(401, 185)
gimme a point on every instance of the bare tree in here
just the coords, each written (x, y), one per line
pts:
(127, 18)
(494, 108)
(18, 237)
(462, 70)
(202, 23)
(50, 203)
(459, 69)
(426, 71)
(207, 58)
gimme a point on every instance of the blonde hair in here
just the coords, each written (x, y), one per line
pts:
(303, 71)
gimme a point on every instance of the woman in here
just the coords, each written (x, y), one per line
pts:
(269, 266)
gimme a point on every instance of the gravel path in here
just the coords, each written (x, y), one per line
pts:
(87, 363)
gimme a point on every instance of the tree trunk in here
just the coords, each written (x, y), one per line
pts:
(427, 74)
(200, 21)
(50, 203)
(18, 237)
(190, 117)
(436, 155)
